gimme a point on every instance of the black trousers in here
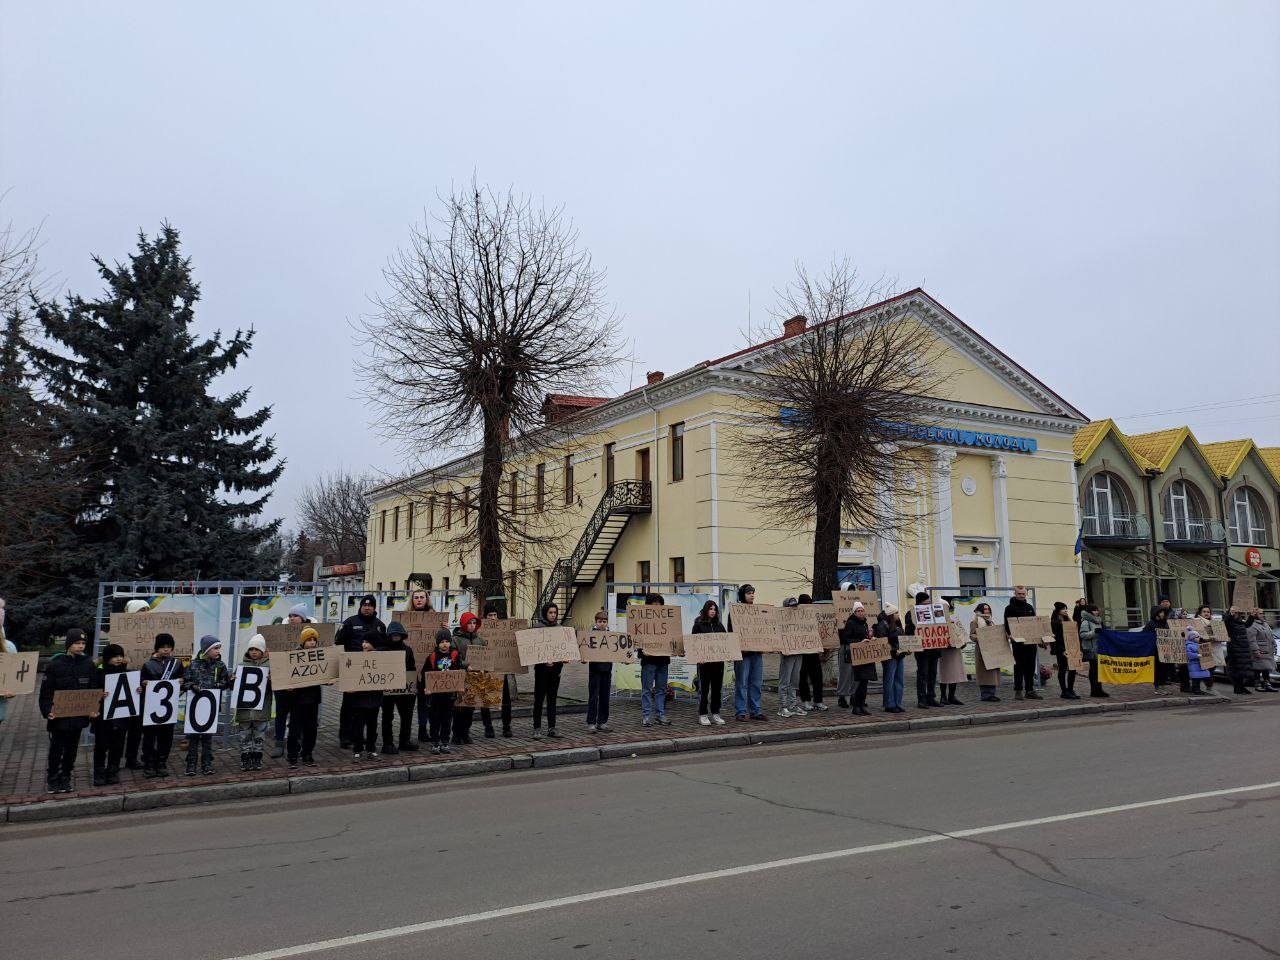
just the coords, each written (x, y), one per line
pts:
(133, 740)
(1095, 685)
(344, 722)
(423, 707)
(1066, 676)
(364, 728)
(63, 745)
(199, 746)
(927, 675)
(282, 717)
(304, 724)
(599, 685)
(1024, 667)
(710, 687)
(440, 715)
(156, 744)
(108, 746)
(860, 694)
(546, 687)
(390, 707)
(486, 715)
(811, 678)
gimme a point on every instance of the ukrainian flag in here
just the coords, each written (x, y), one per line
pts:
(1125, 657)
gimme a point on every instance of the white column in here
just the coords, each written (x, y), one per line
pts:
(887, 554)
(944, 521)
(715, 507)
(1000, 484)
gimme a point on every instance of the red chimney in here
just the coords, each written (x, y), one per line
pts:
(797, 324)
(655, 376)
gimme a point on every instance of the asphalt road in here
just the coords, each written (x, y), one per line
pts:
(982, 842)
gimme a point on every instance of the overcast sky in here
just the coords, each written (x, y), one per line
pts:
(1094, 187)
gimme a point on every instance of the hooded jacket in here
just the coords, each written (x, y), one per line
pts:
(1195, 670)
(1239, 647)
(891, 630)
(1263, 643)
(67, 672)
(206, 674)
(855, 631)
(395, 641)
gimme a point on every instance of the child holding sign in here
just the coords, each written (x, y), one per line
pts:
(73, 670)
(109, 735)
(157, 740)
(440, 705)
(207, 672)
(251, 725)
(303, 708)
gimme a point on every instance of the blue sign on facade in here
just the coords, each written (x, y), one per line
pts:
(971, 438)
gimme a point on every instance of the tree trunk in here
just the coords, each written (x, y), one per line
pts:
(487, 528)
(826, 539)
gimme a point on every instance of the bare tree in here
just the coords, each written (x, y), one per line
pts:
(333, 514)
(491, 307)
(825, 437)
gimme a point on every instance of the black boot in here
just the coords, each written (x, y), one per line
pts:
(506, 732)
(408, 746)
(390, 749)
(246, 761)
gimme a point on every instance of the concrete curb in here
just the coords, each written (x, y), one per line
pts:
(279, 786)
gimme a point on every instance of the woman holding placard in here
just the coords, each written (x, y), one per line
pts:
(951, 670)
(748, 675)
(1066, 676)
(1090, 624)
(546, 678)
(988, 678)
(710, 675)
(889, 626)
(854, 681)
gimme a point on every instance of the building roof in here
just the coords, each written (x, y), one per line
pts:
(1271, 457)
(569, 400)
(1226, 456)
(1089, 437)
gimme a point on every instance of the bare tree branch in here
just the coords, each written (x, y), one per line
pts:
(333, 514)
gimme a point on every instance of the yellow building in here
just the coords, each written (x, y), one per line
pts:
(996, 504)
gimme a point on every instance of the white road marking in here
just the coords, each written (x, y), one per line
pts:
(539, 905)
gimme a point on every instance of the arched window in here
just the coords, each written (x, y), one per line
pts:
(1186, 515)
(1247, 519)
(1108, 508)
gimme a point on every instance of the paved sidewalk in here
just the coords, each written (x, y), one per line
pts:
(23, 741)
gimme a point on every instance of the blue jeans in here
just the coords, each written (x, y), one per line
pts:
(599, 679)
(748, 680)
(892, 682)
(653, 690)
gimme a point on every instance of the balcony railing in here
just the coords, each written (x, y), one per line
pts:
(1117, 527)
(1195, 532)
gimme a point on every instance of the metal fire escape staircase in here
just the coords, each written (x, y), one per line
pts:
(620, 503)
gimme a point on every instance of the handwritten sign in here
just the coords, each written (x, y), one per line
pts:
(1220, 632)
(76, 703)
(1171, 646)
(1030, 629)
(798, 630)
(18, 673)
(993, 644)
(712, 647)
(934, 636)
(498, 653)
(284, 636)
(1244, 593)
(828, 628)
(843, 601)
(874, 650)
(547, 645)
(137, 632)
(371, 671)
(1071, 645)
(758, 627)
(445, 681)
(305, 668)
(656, 630)
(603, 646)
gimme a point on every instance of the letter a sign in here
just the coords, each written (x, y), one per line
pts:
(123, 701)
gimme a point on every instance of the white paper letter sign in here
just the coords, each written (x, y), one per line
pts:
(160, 702)
(202, 711)
(123, 702)
(250, 689)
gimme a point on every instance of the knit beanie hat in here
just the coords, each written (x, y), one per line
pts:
(259, 642)
(298, 610)
(308, 633)
(76, 635)
(890, 609)
(208, 642)
(443, 634)
(163, 640)
(369, 599)
(137, 606)
(111, 651)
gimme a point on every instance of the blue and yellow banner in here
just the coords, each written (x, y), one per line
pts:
(1125, 657)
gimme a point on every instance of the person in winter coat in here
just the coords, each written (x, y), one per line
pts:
(420, 602)
(1024, 654)
(1203, 621)
(950, 670)
(298, 614)
(926, 661)
(811, 683)
(1195, 669)
(251, 725)
(789, 679)
(546, 679)
(653, 680)
(988, 677)
(889, 625)
(1066, 676)
(710, 675)
(599, 683)
(446, 656)
(109, 735)
(207, 671)
(1263, 642)
(302, 705)
(856, 630)
(482, 686)
(1090, 624)
(399, 703)
(358, 718)
(464, 716)
(748, 679)
(72, 670)
(1159, 620)
(1239, 649)
(8, 646)
(157, 740)
(134, 730)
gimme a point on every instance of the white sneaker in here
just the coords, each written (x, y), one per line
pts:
(784, 712)
(806, 706)
(704, 720)
(717, 719)
(820, 706)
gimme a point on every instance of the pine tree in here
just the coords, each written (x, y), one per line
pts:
(176, 476)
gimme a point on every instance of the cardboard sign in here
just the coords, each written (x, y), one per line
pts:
(798, 630)
(76, 703)
(1244, 593)
(958, 636)
(249, 691)
(605, 647)
(137, 632)
(828, 627)
(656, 630)
(922, 614)
(843, 601)
(874, 650)
(1030, 629)
(18, 673)
(993, 644)
(910, 643)
(281, 637)
(123, 695)
(758, 626)
(298, 668)
(547, 645)
(445, 681)
(1220, 634)
(483, 690)
(1171, 646)
(1071, 645)
(431, 620)
(160, 702)
(934, 636)
(371, 671)
(499, 653)
(712, 647)
(202, 711)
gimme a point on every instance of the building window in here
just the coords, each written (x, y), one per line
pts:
(677, 569)
(1185, 515)
(466, 505)
(379, 586)
(608, 573)
(1248, 521)
(446, 589)
(448, 511)
(511, 594)
(514, 493)
(642, 572)
(431, 514)
(973, 581)
(677, 452)
(608, 465)
(408, 534)
(540, 487)
(395, 523)
(568, 480)
(392, 586)
(382, 527)
(537, 587)
(1108, 508)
